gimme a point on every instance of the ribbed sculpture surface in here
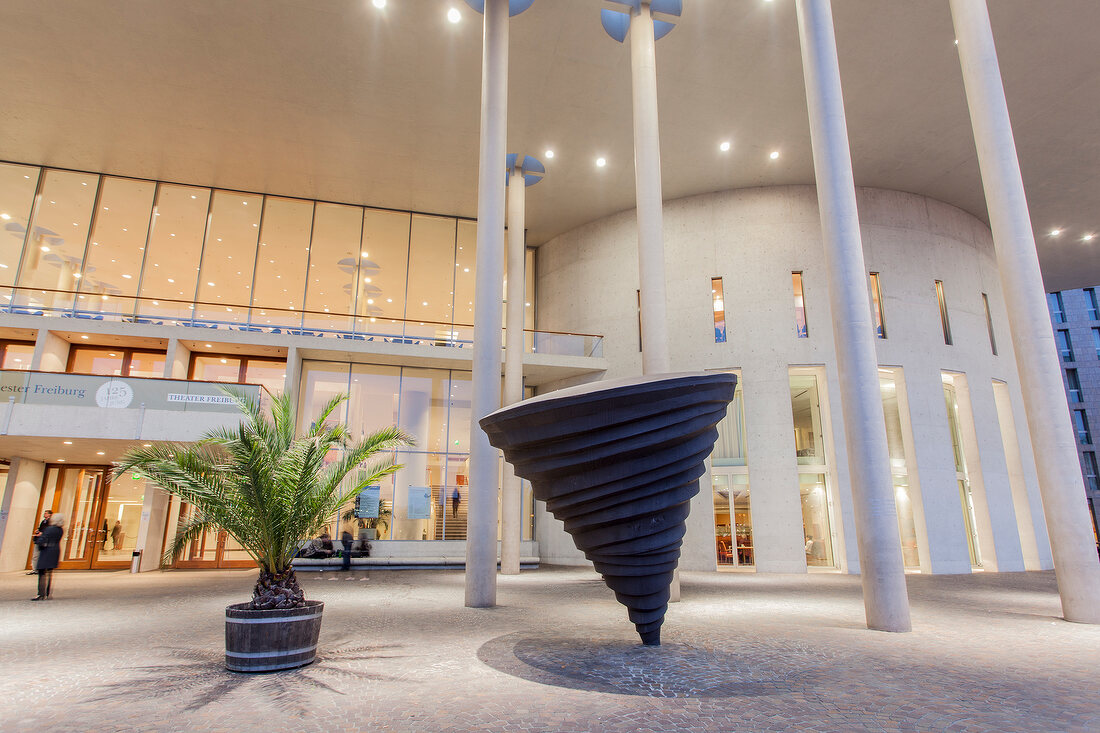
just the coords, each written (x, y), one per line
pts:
(618, 462)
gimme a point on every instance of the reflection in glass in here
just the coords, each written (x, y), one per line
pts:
(281, 263)
(432, 271)
(876, 306)
(384, 259)
(888, 386)
(732, 530)
(117, 246)
(729, 449)
(815, 520)
(55, 250)
(806, 410)
(228, 257)
(718, 305)
(17, 186)
(801, 329)
(966, 499)
(122, 518)
(172, 255)
(16, 354)
(334, 282)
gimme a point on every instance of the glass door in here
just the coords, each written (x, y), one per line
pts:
(732, 517)
(210, 550)
(74, 492)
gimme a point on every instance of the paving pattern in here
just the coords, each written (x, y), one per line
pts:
(742, 652)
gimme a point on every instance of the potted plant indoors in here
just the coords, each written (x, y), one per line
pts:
(268, 489)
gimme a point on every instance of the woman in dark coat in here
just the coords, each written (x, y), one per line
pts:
(49, 552)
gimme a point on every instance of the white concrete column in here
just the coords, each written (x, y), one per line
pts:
(178, 362)
(51, 352)
(150, 541)
(1053, 441)
(882, 571)
(510, 525)
(647, 181)
(481, 528)
(19, 512)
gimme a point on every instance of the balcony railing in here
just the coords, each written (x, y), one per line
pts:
(317, 324)
(83, 390)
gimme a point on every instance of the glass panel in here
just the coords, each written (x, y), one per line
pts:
(967, 500)
(17, 186)
(280, 267)
(374, 398)
(175, 246)
(72, 492)
(229, 257)
(1094, 307)
(1057, 310)
(723, 523)
(801, 328)
(953, 425)
(944, 321)
(529, 306)
(815, 520)
(232, 551)
(907, 526)
(147, 364)
(1065, 345)
(989, 324)
(269, 373)
(1091, 480)
(118, 246)
(121, 519)
(459, 405)
(1096, 341)
(742, 519)
(59, 234)
(1084, 435)
(385, 260)
(432, 270)
(96, 361)
(1073, 385)
(718, 305)
(729, 449)
(18, 356)
(216, 368)
(464, 273)
(334, 280)
(876, 306)
(806, 410)
(321, 381)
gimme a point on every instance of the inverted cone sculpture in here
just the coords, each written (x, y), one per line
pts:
(618, 463)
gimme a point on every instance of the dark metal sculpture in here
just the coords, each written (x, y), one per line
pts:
(618, 463)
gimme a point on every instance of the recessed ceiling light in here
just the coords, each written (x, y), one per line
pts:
(5, 217)
(774, 154)
(549, 153)
(453, 15)
(68, 442)
(127, 276)
(147, 445)
(60, 460)
(601, 162)
(209, 346)
(210, 284)
(1055, 232)
(84, 337)
(724, 146)
(379, 3)
(424, 303)
(100, 453)
(1088, 237)
(45, 248)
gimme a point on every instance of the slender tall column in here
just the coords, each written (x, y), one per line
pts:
(647, 181)
(481, 525)
(513, 368)
(1060, 483)
(882, 570)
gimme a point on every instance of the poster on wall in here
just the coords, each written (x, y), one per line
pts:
(420, 502)
(366, 504)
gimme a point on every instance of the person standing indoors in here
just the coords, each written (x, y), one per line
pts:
(48, 542)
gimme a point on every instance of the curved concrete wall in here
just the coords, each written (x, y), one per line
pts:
(754, 239)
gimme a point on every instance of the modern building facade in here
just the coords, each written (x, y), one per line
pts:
(1075, 316)
(128, 288)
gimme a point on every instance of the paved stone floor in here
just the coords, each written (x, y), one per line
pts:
(742, 652)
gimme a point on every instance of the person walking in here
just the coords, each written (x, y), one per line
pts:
(48, 542)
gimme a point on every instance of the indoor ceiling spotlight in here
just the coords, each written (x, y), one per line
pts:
(453, 15)
(1055, 232)
(1088, 237)
(378, 3)
(549, 154)
(601, 162)
(774, 155)
(724, 146)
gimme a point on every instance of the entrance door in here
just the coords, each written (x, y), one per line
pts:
(100, 528)
(211, 549)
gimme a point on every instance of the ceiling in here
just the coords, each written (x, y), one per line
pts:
(338, 100)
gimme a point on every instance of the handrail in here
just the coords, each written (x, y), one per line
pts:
(296, 311)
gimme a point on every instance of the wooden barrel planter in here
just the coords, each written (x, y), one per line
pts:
(265, 641)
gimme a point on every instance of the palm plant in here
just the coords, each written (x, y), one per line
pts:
(266, 487)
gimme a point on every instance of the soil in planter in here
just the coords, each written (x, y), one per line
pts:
(277, 590)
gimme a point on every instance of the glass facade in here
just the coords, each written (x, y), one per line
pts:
(1065, 345)
(802, 330)
(962, 476)
(427, 498)
(889, 384)
(813, 474)
(1057, 307)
